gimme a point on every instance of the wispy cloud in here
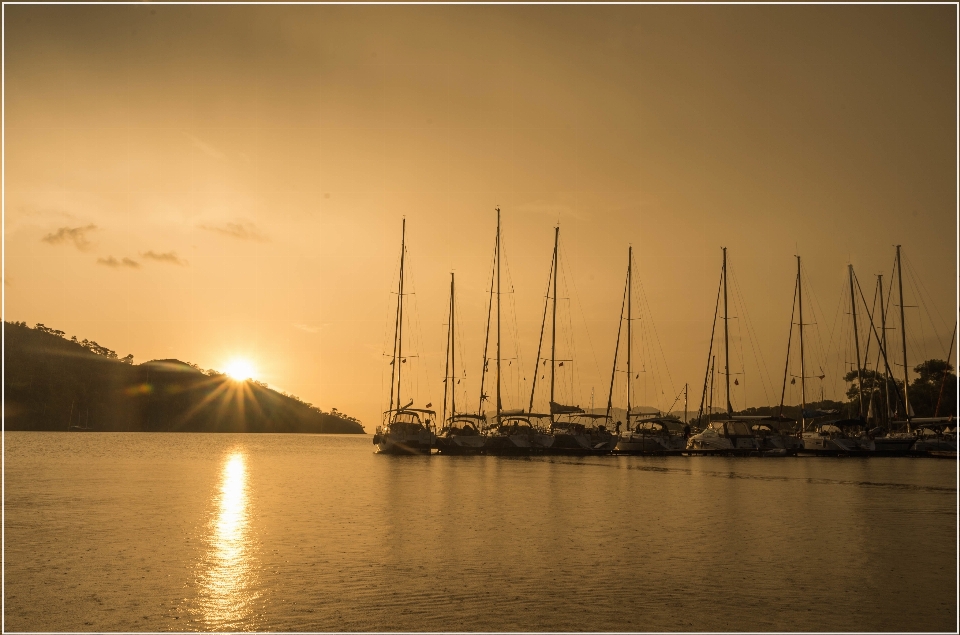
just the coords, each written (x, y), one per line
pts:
(169, 257)
(242, 230)
(308, 329)
(203, 146)
(75, 235)
(546, 208)
(113, 263)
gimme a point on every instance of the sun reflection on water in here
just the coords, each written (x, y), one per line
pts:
(228, 576)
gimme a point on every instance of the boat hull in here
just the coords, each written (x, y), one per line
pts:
(581, 444)
(461, 444)
(650, 444)
(404, 444)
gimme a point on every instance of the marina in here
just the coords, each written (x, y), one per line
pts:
(878, 420)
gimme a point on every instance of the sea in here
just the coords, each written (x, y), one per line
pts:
(260, 532)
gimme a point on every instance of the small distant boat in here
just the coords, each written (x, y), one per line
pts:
(78, 427)
(405, 430)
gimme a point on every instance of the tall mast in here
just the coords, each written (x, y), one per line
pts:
(803, 375)
(543, 324)
(726, 332)
(450, 361)
(616, 351)
(883, 349)
(713, 332)
(903, 336)
(629, 326)
(713, 365)
(446, 370)
(553, 327)
(398, 327)
(786, 364)
(856, 341)
(486, 337)
(453, 350)
(685, 386)
(498, 315)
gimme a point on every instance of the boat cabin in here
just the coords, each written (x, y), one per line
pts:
(464, 425)
(411, 420)
(517, 423)
(731, 429)
(661, 426)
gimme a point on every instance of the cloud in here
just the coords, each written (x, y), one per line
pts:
(547, 208)
(76, 235)
(204, 147)
(306, 328)
(242, 230)
(169, 257)
(113, 263)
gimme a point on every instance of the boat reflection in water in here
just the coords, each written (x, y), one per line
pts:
(227, 573)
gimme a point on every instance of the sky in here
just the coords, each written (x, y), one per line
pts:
(212, 183)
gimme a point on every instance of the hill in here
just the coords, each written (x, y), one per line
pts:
(52, 383)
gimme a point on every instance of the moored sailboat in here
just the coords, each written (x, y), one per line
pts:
(462, 433)
(730, 434)
(404, 429)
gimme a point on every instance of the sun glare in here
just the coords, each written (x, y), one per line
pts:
(240, 370)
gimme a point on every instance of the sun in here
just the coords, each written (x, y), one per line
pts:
(240, 369)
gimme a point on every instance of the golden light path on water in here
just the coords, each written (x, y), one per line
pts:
(228, 573)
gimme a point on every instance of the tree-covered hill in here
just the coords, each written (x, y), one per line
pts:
(53, 383)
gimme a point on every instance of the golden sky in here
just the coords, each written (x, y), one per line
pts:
(213, 182)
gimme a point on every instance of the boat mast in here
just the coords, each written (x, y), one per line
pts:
(616, 352)
(786, 364)
(803, 375)
(486, 339)
(498, 315)
(726, 332)
(629, 326)
(883, 348)
(447, 375)
(713, 332)
(856, 341)
(453, 350)
(713, 365)
(543, 324)
(553, 327)
(903, 336)
(685, 386)
(398, 327)
(943, 382)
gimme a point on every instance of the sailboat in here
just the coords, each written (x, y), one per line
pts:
(462, 433)
(779, 432)
(512, 431)
(572, 431)
(80, 428)
(733, 433)
(651, 434)
(405, 429)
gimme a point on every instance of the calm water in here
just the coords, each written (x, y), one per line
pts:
(295, 532)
